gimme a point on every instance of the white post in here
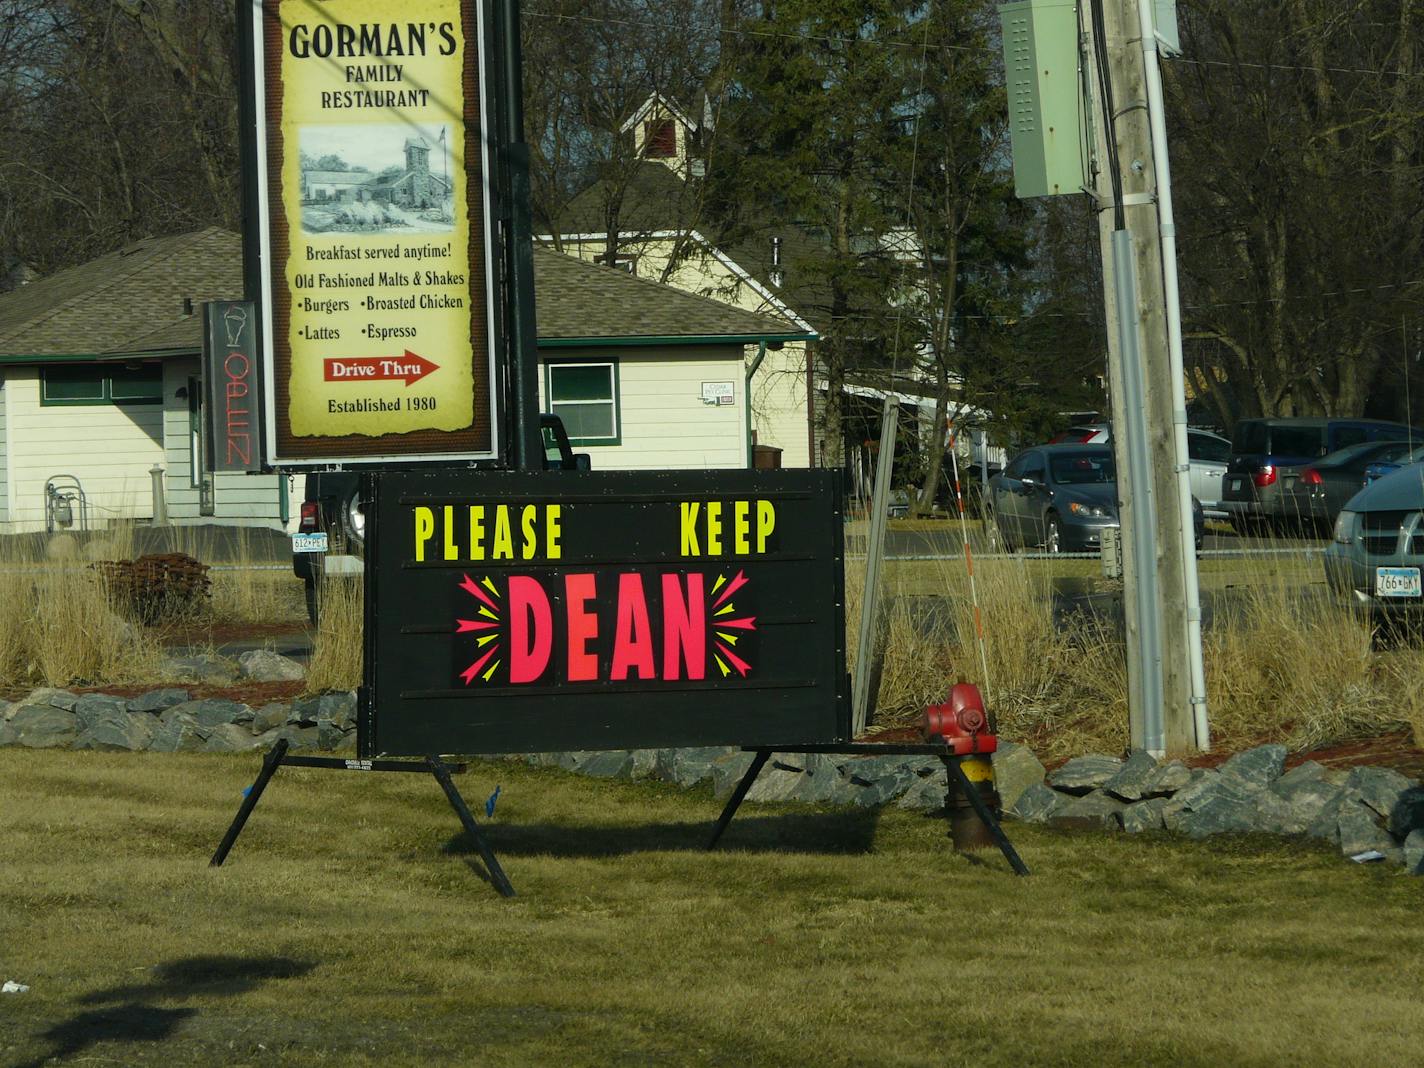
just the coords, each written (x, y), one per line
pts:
(1157, 117)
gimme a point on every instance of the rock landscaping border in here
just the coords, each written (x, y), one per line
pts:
(1370, 811)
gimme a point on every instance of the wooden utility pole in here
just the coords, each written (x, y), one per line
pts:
(1159, 635)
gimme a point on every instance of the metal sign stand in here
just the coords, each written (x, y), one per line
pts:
(954, 772)
(434, 765)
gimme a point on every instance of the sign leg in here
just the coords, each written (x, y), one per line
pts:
(270, 763)
(467, 819)
(738, 795)
(971, 791)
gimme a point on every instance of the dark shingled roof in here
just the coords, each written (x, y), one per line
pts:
(126, 301)
(131, 301)
(574, 300)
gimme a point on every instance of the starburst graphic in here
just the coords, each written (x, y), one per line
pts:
(723, 606)
(487, 629)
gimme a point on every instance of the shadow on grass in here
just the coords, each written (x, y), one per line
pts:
(135, 1021)
(850, 831)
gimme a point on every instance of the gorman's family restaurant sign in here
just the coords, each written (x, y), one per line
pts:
(375, 204)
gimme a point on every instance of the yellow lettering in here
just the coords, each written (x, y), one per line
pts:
(503, 541)
(424, 528)
(551, 531)
(451, 553)
(477, 532)
(714, 528)
(531, 540)
(689, 528)
(742, 527)
(766, 523)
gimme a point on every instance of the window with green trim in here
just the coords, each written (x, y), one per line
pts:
(91, 383)
(584, 394)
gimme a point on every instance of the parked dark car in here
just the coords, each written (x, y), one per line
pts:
(1058, 496)
(1379, 468)
(331, 533)
(1323, 487)
(1373, 561)
(1267, 456)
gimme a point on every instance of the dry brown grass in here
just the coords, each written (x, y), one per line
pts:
(1285, 662)
(58, 627)
(337, 647)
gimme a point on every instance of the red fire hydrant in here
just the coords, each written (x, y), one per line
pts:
(963, 725)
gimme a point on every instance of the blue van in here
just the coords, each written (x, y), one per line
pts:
(1267, 456)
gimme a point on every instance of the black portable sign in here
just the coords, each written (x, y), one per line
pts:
(230, 377)
(525, 612)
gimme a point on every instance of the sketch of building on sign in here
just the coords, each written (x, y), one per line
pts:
(375, 177)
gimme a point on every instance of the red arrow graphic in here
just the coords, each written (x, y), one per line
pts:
(410, 367)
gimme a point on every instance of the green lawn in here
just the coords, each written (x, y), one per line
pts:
(350, 927)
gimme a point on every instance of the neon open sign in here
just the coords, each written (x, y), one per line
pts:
(563, 610)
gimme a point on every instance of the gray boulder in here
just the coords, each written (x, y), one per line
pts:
(611, 764)
(690, 766)
(1037, 804)
(206, 668)
(1310, 771)
(228, 738)
(879, 791)
(1015, 770)
(126, 730)
(330, 736)
(1326, 824)
(211, 711)
(298, 737)
(45, 726)
(268, 716)
(1211, 803)
(1083, 774)
(264, 665)
(1097, 809)
(1407, 816)
(1360, 829)
(1379, 788)
(156, 701)
(776, 784)
(1414, 852)
(727, 771)
(334, 708)
(93, 707)
(1218, 812)
(644, 760)
(822, 780)
(1167, 780)
(8, 734)
(926, 794)
(1143, 816)
(7, 709)
(1137, 771)
(1258, 767)
(48, 695)
(1291, 806)
(178, 732)
(337, 709)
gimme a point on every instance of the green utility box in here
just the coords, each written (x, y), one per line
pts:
(1045, 96)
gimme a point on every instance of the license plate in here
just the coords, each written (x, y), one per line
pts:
(1397, 582)
(316, 543)
(1236, 485)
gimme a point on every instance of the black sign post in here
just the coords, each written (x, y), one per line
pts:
(517, 612)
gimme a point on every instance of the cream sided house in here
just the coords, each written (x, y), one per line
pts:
(100, 390)
(656, 209)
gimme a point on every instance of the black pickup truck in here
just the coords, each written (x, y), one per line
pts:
(332, 506)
